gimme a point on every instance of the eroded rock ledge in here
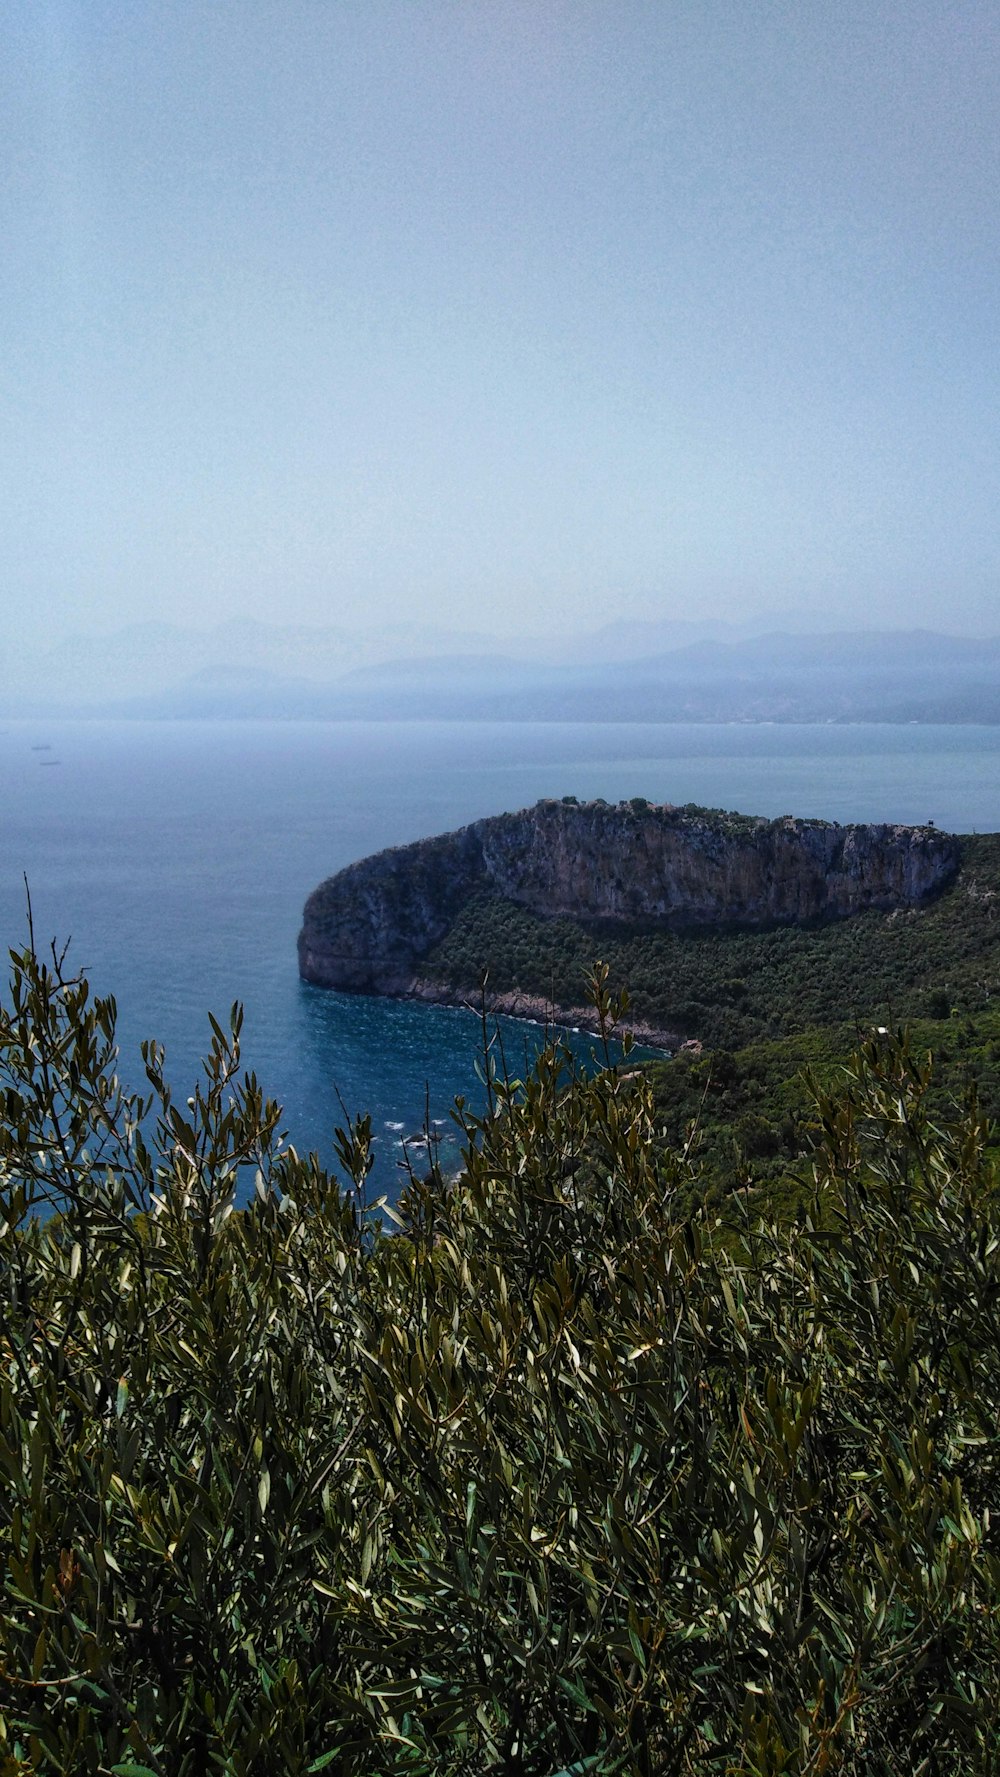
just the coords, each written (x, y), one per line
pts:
(369, 928)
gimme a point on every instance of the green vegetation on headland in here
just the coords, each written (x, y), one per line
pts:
(730, 987)
(762, 1006)
(571, 1473)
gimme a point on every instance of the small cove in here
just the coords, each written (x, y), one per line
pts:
(176, 858)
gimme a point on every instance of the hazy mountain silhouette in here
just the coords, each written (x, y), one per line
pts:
(661, 671)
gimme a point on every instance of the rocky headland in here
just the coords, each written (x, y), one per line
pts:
(371, 928)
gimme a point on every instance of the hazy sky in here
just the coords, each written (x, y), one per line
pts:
(511, 313)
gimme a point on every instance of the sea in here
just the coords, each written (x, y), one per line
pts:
(174, 859)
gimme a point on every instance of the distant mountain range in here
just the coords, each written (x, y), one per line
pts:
(655, 672)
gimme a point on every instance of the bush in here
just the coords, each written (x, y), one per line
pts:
(553, 1476)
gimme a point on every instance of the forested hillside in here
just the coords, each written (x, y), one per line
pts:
(733, 986)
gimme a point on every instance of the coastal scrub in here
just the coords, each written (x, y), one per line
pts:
(557, 1475)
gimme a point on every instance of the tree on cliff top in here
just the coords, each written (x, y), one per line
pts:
(549, 1479)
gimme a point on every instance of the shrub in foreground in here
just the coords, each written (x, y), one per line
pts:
(553, 1477)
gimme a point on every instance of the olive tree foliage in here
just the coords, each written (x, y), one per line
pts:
(552, 1478)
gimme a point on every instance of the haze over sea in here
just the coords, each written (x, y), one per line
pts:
(176, 858)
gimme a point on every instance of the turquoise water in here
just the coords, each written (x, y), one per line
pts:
(177, 856)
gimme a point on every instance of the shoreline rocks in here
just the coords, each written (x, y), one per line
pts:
(513, 1003)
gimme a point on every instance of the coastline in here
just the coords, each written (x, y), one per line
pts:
(535, 1009)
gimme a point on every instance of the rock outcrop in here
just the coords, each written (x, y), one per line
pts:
(368, 929)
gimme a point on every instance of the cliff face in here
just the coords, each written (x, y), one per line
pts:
(367, 929)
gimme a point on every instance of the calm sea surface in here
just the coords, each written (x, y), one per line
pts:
(177, 856)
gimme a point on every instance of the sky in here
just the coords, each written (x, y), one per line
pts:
(499, 315)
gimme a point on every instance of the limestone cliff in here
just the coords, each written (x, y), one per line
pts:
(368, 929)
